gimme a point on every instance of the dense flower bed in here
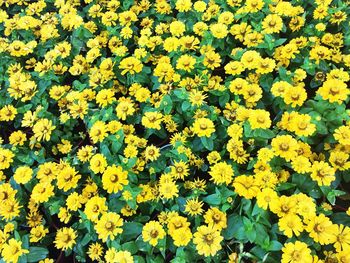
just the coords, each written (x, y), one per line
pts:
(182, 131)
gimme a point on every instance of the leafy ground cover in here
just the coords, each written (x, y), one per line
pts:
(174, 131)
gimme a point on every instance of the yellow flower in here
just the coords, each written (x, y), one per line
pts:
(291, 224)
(219, 30)
(321, 229)
(42, 192)
(110, 256)
(23, 174)
(320, 27)
(283, 206)
(98, 131)
(339, 160)
(65, 238)
(152, 153)
(234, 68)
(130, 151)
(74, 201)
(179, 170)
(212, 60)
(266, 197)
(114, 178)
(285, 146)
(301, 164)
(245, 186)
(265, 154)
(42, 129)
(183, 5)
(127, 195)
(259, 119)
(130, 65)
(341, 134)
(334, 90)
(10, 209)
(98, 163)
(203, 127)
(323, 173)
(6, 158)
(17, 138)
(272, 24)
(207, 240)
(168, 189)
(109, 18)
(95, 251)
(68, 178)
(37, 233)
(319, 53)
(109, 226)
(297, 252)
(343, 256)
(186, 63)
(342, 238)
(152, 120)
(123, 257)
(64, 215)
(265, 65)
(181, 237)
(152, 232)
(253, 6)
(252, 93)
(301, 125)
(295, 96)
(221, 173)
(12, 250)
(85, 153)
(194, 207)
(94, 207)
(64, 147)
(177, 28)
(125, 108)
(215, 218)
(213, 157)
(47, 171)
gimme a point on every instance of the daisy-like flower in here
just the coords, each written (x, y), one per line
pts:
(65, 238)
(152, 232)
(207, 240)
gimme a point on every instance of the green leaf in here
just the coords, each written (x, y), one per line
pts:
(234, 228)
(185, 105)
(213, 199)
(341, 218)
(180, 93)
(275, 246)
(36, 254)
(263, 133)
(279, 42)
(130, 246)
(208, 143)
(131, 230)
(249, 229)
(167, 104)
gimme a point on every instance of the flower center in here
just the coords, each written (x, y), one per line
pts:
(66, 238)
(334, 90)
(109, 226)
(114, 178)
(284, 146)
(95, 208)
(154, 233)
(203, 126)
(318, 228)
(296, 255)
(209, 239)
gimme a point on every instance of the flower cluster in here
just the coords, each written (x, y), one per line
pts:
(174, 131)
